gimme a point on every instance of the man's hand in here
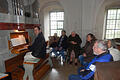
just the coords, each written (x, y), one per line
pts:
(26, 46)
(84, 54)
(60, 48)
(82, 70)
(73, 42)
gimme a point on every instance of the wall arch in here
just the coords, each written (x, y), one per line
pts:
(51, 3)
(44, 15)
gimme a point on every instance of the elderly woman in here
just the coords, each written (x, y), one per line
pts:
(113, 50)
(87, 50)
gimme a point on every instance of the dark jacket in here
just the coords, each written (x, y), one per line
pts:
(64, 43)
(38, 48)
(54, 41)
(75, 39)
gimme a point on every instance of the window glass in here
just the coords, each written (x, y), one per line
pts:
(56, 22)
(112, 29)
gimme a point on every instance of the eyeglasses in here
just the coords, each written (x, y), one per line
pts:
(95, 47)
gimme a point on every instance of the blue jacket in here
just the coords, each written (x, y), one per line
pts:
(91, 68)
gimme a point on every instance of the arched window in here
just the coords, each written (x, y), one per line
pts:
(56, 22)
(112, 26)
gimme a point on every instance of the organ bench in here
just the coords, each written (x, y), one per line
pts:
(13, 65)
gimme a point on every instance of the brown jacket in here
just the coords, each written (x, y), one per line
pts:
(88, 49)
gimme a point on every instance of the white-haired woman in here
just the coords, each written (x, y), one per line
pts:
(113, 50)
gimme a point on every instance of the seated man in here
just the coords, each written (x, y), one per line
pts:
(38, 50)
(102, 55)
(61, 45)
(74, 42)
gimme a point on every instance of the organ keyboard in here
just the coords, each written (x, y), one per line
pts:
(17, 43)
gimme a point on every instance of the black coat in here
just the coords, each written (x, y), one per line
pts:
(38, 47)
(76, 39)
(64, 43)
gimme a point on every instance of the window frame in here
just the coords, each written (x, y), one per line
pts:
(106, 19)
(56, 21)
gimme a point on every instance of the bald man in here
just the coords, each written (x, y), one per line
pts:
(74, 42)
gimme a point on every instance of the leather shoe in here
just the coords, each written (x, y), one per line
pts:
(71, 62)
(75, 64)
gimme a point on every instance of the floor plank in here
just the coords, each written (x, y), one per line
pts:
(61, 71)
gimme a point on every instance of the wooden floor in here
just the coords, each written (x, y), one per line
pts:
(61, 71)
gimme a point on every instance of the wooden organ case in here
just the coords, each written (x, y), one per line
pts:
(20, 48)
(14, 65)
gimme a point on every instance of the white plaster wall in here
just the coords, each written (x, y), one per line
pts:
(46, 24)
(80, 16)
(88, 17)
(73, 15)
